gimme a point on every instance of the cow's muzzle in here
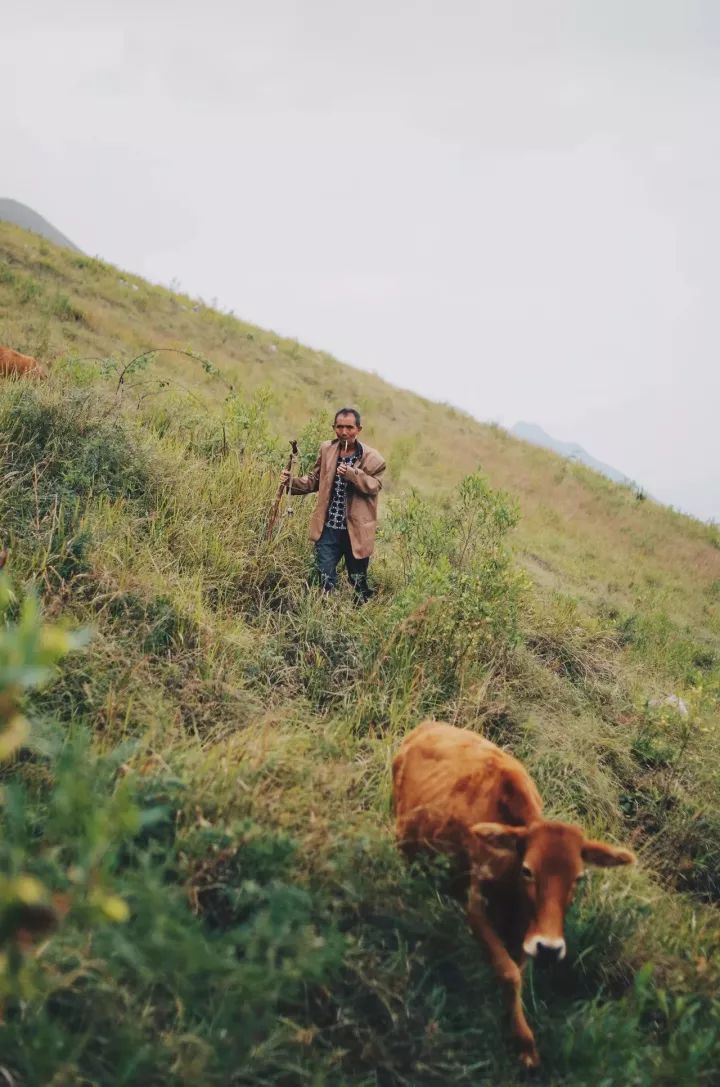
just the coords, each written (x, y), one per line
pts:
(545, 949)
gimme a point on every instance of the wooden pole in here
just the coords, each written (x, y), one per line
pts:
(283, 488)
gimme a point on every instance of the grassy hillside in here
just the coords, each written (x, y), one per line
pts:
(577, 531)
(214, 761)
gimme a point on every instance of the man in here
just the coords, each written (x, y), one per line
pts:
(348, 479)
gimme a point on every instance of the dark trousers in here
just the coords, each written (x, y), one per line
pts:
(333, 545)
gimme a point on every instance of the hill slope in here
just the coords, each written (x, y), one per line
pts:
(577, 530)
(217, 758)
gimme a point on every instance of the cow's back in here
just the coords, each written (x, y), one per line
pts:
(13, 363)
(444, 775)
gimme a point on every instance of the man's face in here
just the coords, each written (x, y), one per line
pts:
(346, 428)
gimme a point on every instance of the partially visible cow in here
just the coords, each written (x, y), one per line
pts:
(457, 793)
(13, 364)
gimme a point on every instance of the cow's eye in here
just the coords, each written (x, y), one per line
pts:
(527, 872)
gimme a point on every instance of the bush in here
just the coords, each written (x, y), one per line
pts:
(456, 601)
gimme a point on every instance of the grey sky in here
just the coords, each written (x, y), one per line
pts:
(512, 206)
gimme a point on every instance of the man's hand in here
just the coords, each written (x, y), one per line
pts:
(285, 475)
(343, 470)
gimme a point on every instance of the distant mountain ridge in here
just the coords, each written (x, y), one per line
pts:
(531, 432)
(12, 211)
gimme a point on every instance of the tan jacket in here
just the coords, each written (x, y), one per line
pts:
(364, 485)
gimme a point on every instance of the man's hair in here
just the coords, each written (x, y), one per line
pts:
(348, 411)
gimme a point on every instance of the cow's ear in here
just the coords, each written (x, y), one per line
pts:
(606, 856)
(499, 836)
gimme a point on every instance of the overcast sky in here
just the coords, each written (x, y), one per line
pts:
(512, 206)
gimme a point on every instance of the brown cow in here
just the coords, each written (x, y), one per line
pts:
(13, 364)
(457, 793)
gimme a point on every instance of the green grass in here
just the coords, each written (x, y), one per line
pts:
(217, 756)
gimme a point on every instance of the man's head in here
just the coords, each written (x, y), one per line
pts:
(347, 425)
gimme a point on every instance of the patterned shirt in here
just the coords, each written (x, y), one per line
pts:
(337, 510)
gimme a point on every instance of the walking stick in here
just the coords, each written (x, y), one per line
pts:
(283, 488)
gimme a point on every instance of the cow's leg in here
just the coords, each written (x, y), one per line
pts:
(509, 975)
(406, 838)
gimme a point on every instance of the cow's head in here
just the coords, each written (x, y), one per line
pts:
(548, 859)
